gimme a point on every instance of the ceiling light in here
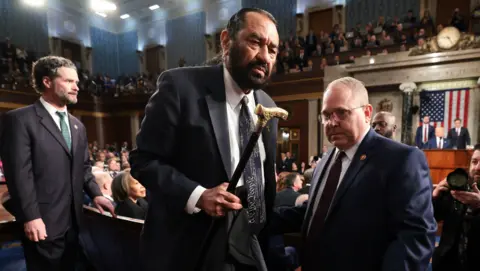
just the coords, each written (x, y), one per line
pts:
(103, 5)
(124, 16)
(36, 3)
(154, 7)
(101, 14)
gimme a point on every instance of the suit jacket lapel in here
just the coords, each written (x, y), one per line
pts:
(217, 110)
(364, 152)
(73, 133)
(47, 121)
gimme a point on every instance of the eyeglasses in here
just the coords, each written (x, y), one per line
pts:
(338, 114)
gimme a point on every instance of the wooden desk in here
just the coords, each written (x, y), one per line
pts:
(442, 162)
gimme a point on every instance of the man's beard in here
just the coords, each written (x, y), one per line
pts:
(243, 75)
(388, 134)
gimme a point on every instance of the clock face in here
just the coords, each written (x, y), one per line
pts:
(448, 38)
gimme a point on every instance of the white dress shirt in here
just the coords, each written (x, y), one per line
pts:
(439, 142)
(234, 96)
(53, 113)
(346, 161)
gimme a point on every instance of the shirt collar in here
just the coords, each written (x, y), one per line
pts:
(233, 92)
(50, 108)
(351, 152)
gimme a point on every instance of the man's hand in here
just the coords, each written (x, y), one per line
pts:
(102, 202)
(441, 186)
(471, 199)
(216, 201)
(35, 230)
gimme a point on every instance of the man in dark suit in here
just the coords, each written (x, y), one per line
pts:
(370, 204)
(459, 136)
(424, 133)
(439, 142)
(460, 212)
(288, 196)
(203, 112)
(45, 156)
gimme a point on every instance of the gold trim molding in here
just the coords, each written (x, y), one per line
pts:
(296, 97)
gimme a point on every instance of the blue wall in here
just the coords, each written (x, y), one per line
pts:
(185, 37)
(105, 52)
(127, 55)
(283, 10)
(24, 26)
(366, 11)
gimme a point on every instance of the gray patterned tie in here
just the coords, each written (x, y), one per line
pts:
(252, 174)
(64, 129)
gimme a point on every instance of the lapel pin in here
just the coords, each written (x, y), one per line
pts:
(363, 157)
(76, 127)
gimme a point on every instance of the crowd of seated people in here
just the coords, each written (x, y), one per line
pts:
(295, 53)
(105, 85)
(112, 173)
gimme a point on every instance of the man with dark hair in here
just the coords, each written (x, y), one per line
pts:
(207, 113)
(288, 196)
(424, 133)
(460, 212)
(459, 136)
(46, 162)
(384, 124)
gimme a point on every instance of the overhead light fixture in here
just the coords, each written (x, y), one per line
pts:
(101, 14)
(124, 16)
(35, 3)
(103, 5)
(154, 7)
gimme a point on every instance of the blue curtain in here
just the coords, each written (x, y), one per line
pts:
(283, 11)
(26, 27)
(365, 11)
(127, 56)
(105, 52)
(185, 38)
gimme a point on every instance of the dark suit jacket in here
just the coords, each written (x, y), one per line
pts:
(131, 209)
(460, 142)
(44, 177)
(419, 136)
(286, 197)
(445, 257)
(183, 142)
(432, 144)
(381, 217)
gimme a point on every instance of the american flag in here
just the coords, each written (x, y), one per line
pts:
(444, 107)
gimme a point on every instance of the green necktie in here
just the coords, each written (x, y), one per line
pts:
(64, 129)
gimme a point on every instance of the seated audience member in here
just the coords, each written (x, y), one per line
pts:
(288, 196)
(308, 175)
(439, 141)
(129, 195)
(104, 181)
(113, 167)
(460, 212)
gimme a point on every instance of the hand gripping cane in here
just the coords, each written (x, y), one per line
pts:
(264, 115)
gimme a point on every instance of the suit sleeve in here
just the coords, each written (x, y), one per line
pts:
(449, 135)
(151, 161)
(17, 164)
(287, 219)
(418, 138)
(90, 186)
(411, 221)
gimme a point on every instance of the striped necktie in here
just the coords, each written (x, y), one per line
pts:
(64, 129)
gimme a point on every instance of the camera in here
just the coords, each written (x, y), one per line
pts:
(458, 180)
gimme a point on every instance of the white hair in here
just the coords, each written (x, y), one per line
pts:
(356, 87)
(102, 177)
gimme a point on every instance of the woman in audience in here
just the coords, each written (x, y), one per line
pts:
(129, 195)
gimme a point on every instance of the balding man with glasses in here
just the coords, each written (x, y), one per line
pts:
(370, 203)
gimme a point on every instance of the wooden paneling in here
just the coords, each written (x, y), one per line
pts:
(442, 162)
(90, 124)
(298, 118)
(117, 130)
(72, 51)
(445, 10)
(321, 21)
(153, 59)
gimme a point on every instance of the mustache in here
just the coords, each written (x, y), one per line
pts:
(259, 64)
